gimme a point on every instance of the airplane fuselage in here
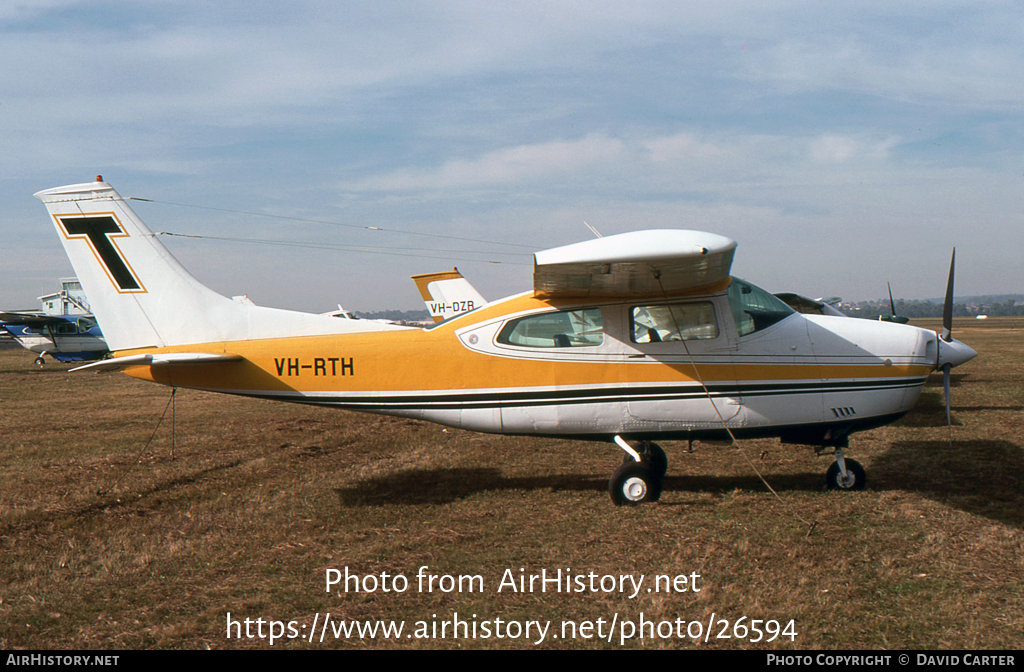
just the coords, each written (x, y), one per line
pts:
(803, 377)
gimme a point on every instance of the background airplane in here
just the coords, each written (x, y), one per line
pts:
(624, 339)
(447, 294)
(802, 304)
(66, 338)
(62, 328)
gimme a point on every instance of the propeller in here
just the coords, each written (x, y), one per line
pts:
(947, 308)
(898, 319)
(951, 352)
(947, 333)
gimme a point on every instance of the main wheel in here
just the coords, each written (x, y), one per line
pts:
(855, 477)
(653, 456)
(634, 483)
(40, 361)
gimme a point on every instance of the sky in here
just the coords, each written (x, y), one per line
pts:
(841, 144)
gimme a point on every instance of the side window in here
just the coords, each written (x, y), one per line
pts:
(753, 308)
(66, 329)
(564, 329)
(681, 322)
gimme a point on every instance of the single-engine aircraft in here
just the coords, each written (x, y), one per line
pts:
(66, 338)
(628, 339)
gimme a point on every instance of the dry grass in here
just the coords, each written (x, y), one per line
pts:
(260, 498)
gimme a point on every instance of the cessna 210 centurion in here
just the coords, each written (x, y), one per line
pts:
(628, 339)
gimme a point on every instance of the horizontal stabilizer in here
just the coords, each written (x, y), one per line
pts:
(169, 358)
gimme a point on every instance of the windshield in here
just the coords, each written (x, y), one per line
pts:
(753, 308)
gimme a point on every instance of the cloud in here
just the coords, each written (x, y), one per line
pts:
(508, 166)
(686, 147)
(671, 165)
(839, 149)
(788, 122)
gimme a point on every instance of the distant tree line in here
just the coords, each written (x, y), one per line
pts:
(993, 306)
(397, 315)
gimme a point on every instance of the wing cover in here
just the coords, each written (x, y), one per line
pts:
(653, 262)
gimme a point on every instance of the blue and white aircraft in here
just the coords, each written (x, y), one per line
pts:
(66, 338)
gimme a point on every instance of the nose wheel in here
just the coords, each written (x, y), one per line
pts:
(639, 478)
(845, 474)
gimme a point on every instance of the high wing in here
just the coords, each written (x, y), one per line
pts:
(30, 319)
(641, 263)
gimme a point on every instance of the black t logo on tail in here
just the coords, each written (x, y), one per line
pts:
(98, 230)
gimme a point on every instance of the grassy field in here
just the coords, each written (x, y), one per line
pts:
(244, 508)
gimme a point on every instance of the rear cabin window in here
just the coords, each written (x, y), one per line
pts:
(564, 329)
(753, 308)
(680, 322)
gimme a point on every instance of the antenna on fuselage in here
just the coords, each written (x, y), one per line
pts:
(592, 229)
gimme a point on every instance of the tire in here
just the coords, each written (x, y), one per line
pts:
(652, 455)
(855, 477)
(633, 484)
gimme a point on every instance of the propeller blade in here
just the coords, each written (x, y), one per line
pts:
(947, 308)
(945, 385)
(892, 304)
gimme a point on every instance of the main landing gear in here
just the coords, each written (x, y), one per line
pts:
(639, 478)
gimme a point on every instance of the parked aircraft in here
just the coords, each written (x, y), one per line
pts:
(447, 294)
(628, 339)
(892, 316)
(66, 338)
(802, 304)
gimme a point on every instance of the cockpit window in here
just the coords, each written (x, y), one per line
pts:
(564, 329)
(681, 322)
(753, 308)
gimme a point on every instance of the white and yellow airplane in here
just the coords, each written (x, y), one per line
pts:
(626, 339)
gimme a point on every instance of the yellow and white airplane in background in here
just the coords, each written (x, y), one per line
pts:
(627, 339)
(447, 294)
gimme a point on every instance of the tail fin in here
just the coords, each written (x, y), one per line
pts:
(140, 294)
(447, 294)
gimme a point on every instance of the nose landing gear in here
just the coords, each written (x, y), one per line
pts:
(845, 474)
